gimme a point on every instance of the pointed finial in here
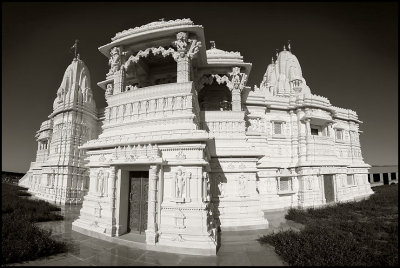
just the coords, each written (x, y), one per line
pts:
(162, 19)
(277, 53)
(284, 48)
(272, 60)
(212, 44)
(289, 47)
(75, 48)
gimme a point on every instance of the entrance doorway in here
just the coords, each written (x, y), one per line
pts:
(138, 201)
(329, 189)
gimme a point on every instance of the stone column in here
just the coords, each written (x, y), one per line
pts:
(119, 81)
(112, 179)
(308, 136)
(381, 177)
(151, 232)
(183, 69)
(236, 100)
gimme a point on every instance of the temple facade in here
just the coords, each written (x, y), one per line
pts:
(185, 147)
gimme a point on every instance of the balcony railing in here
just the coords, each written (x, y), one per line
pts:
(223, 122)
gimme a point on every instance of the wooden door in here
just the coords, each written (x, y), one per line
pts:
(138, 199)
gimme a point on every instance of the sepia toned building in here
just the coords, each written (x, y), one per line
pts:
(185, 147)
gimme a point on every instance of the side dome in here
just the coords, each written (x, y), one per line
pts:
(75, 86)
(284, 77)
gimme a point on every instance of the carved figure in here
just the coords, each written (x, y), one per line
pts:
(238, 79)
(109, 90)
(181, 42)
(101, 182)
(115, 59)
(180, 183)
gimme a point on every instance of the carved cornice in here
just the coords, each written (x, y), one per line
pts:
(152, 26)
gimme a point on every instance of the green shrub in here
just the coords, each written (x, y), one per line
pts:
(21, 239)
(354, 233)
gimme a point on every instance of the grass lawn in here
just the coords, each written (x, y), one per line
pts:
(358, 233)
(21, 239)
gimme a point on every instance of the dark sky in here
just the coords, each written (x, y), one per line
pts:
(348, 53)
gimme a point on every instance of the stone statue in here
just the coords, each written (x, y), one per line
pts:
(109, 90)
(180, 181)
(101, 182)
(238, 79)
(115, 60)
(181, 42)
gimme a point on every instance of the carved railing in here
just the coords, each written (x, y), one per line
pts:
(150, 102)
(220, 122)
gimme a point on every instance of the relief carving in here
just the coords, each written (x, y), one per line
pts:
(181, 184)
(109, 90)
(102, 182)
(238, 79)
(182, 43)
(115, 60)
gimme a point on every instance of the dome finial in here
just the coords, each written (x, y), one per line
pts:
(75, 48)
(212, 44)
(289, 47)
(284, 48)
(277, 53)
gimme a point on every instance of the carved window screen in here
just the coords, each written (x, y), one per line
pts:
(285, 184)
(278, 128)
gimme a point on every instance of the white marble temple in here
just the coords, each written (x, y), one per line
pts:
(185, 146)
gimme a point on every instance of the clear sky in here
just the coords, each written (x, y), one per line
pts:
(348, 53)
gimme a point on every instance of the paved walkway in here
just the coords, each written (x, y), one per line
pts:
(237, 248)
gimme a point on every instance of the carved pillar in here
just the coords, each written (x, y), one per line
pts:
(236, 86)
(183, 70)
(151, 232)
(186, 50)
(112, 185)
(236, 100)
(308, 136)
(119, 80)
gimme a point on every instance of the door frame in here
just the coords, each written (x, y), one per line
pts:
(142, 213)
(122, 196)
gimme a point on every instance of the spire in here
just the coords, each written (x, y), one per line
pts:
(289, 47)
(277, 53)
(212, 44)
(75, 48)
